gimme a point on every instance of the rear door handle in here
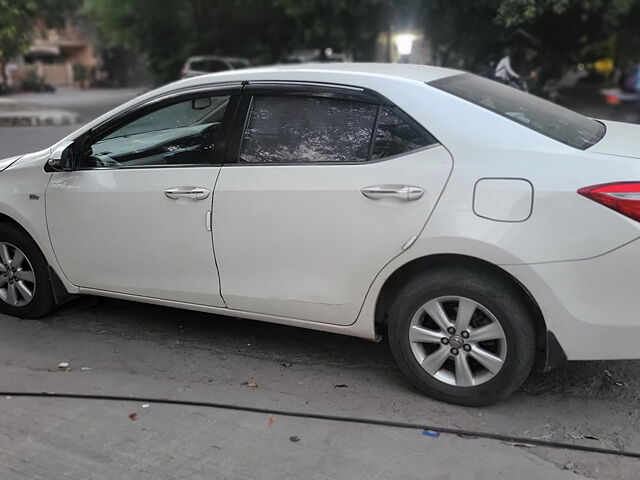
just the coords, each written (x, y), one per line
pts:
(195, 193)
(401, 192)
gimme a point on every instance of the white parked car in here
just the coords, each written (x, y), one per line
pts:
(483, 230)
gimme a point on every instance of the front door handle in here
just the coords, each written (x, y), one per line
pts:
(195, 193)
(401, 192)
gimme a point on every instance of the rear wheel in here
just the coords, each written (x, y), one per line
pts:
(25, 289)
(461, 336)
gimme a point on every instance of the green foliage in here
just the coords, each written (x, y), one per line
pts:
(345, 25)
(169, 31)
(518, 12)
(553, 34)
(463, 32)
(566, 32)
(15, 18)
(158, 28)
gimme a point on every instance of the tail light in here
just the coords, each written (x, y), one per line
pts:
(623, 197)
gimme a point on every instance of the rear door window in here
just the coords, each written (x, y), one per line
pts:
(295, 129)
(395, 136)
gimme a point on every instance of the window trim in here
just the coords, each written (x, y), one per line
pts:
(137, 111)
(315, 89)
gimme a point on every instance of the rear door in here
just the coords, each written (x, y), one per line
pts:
(321, 188)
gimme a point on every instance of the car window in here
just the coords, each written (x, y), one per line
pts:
(544, 117)
(293, 129)
(183, 133)
(395, 136)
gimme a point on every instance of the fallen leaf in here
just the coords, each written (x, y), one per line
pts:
(250, 384)
(294, 439)
(271, 421)
(133, 416)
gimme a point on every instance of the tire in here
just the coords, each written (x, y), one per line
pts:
(414, 336)
(19, 251)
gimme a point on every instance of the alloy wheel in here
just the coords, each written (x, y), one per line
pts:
(458, 341)
(17, 278)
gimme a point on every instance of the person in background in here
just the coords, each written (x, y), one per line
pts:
(504, 73)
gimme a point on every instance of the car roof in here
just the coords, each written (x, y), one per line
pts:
(421, 73)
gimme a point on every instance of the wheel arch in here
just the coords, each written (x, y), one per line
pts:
(60, 292)
(547, 354)
(4, 218)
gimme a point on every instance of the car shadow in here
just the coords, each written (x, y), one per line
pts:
(604, 380)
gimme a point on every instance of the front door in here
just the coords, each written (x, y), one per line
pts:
(134, 216)
(325, 190)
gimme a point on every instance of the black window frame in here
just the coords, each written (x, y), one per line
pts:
(95, 134)
(322, 90)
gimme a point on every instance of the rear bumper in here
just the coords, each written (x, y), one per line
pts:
(591, 306)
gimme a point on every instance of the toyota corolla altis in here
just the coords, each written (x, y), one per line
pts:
(482, 230)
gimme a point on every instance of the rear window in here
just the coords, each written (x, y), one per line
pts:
(544, 117)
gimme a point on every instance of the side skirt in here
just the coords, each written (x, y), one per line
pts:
(351, 330)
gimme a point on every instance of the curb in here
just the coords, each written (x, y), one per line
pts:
(27, 118)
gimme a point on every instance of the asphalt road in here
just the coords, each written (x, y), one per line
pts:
(89, 103)
(120, 348)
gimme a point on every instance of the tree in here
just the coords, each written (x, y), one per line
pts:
(254, 28)
(349, 26)
(15, 19)
(553, 34)
(463, 33)
(566, 32)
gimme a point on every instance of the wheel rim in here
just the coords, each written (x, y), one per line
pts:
(457, 341)
(17, 278)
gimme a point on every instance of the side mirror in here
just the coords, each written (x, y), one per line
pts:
(62, 159)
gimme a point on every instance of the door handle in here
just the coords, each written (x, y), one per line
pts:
(195, 193)
(401, 192)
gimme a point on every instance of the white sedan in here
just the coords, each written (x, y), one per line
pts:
(483, 230)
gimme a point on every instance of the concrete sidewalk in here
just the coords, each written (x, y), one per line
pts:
(18, 113)
(50, 439)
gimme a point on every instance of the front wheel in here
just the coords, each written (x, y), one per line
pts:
(462, 336)
(25, 289)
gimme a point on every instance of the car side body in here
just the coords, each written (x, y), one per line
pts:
(497, 197)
